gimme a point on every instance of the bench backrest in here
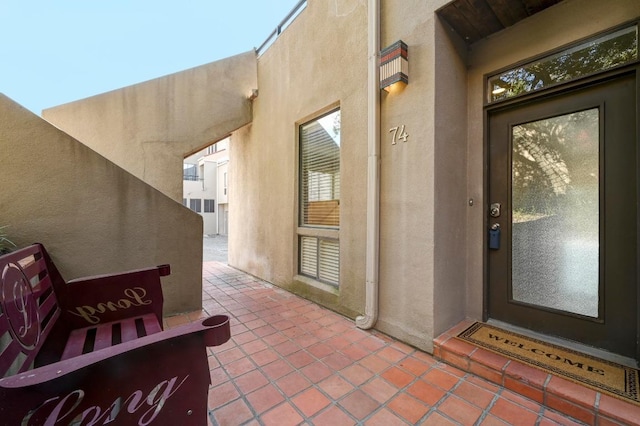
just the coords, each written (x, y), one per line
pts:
(29, 308)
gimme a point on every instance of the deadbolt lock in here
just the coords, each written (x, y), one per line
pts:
(494, 210)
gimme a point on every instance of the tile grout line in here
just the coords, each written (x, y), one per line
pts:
(287, 398)
(449, 393)
(388, 344)
(283, 358)
(395, 394)
(341, 375)
(488, 408)
(248, 294)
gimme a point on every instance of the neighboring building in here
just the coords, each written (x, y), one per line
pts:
(498, 184)
(205, 180)
(223, 197)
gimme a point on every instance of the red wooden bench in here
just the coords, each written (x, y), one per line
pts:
(93, 351)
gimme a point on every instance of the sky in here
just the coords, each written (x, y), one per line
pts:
(57, 51)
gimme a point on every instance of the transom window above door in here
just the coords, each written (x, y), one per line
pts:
(595, 55)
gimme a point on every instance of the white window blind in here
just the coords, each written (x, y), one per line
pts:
(320, 259)
(309, 256)
(329, 261)
(320, 171)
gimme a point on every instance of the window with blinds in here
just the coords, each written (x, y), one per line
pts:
(319, 257)
(320, 171)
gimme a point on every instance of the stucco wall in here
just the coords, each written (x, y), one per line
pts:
(450, 185)
(431, 238)
(92, 216)
(559, 25)
(423, 180)
(318, 63)
(149, 128)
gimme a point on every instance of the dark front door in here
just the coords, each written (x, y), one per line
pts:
(563, 198)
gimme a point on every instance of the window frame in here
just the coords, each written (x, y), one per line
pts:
(487, 103)
(195, 204)
(331, 233)
(300, 199)
(209, 202)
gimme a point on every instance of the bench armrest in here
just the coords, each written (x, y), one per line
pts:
(164, 376)
(111, 297)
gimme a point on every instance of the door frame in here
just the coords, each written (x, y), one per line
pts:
(540, 95)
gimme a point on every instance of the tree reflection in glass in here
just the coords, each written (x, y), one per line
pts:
(603, 53)
(555, 212)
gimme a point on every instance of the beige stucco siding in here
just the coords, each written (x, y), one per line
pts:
(451, 199)
(91, 215)
(423, 185)
(317, 64)
(407, 182)
(149, 128)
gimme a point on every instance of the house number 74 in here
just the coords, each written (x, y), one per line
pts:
(398, 134)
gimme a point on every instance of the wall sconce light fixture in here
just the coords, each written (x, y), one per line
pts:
(394, 65)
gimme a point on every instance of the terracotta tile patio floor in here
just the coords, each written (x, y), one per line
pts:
(292, 362)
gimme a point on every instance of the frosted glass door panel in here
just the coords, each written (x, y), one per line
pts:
(555, 213)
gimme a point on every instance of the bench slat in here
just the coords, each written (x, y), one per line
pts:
(104, 336)
(42, 286)
(47, 306)
(38, 276)
(4, 325)
(33, 269)
(75, 343)
(9, 356)
(14, 349)
(151, 324)
(128, 330)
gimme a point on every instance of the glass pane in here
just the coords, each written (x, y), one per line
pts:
(320, 171)
(596, 55)
(309, 256)
(555, 212)
(329, 261)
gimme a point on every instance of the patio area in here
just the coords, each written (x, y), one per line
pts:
(292, 362)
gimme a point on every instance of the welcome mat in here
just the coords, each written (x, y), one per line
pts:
(604, 376)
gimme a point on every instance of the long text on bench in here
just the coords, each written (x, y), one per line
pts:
(133, 297)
